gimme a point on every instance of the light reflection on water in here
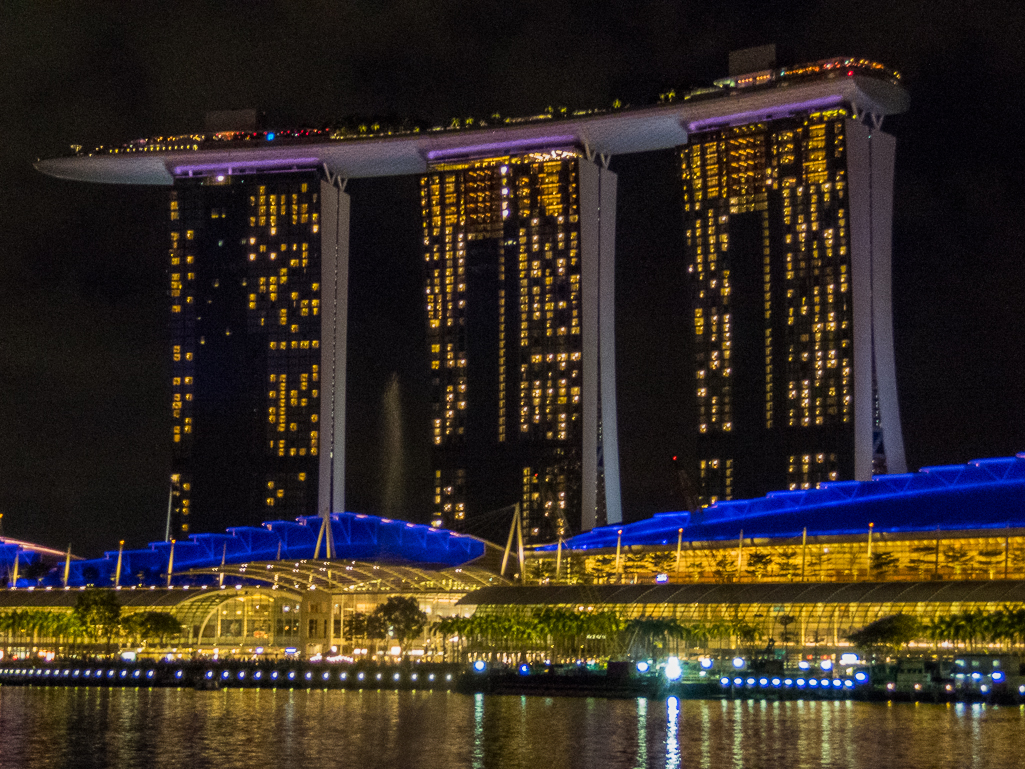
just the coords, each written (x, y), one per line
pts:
(90, 728)
(642, 733)
(672, 733)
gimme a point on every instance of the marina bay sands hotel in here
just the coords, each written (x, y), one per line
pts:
(787, 184)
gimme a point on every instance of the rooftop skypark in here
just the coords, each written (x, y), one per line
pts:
(367, 147)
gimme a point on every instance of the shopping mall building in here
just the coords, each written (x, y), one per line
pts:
(942, 541)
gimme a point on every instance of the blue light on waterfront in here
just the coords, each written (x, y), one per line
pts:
(673, 671)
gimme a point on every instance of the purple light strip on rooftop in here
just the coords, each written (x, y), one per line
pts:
(229, 167)
(541, 142)
(766, 113)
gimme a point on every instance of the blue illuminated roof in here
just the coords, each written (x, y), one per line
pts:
(983, 494)
(356, 537)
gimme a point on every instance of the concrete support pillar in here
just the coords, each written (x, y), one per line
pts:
(600, 471)
(870, 189)
(334, 304)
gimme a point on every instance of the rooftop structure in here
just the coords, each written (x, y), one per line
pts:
(364, 150)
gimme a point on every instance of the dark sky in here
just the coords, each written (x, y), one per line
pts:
(84, 391)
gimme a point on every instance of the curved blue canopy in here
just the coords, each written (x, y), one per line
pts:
(356, 537)
(983, 494)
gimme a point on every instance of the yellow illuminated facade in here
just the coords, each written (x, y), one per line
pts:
(503, 260)
(768, 248)
(245, 324)
(939, 555)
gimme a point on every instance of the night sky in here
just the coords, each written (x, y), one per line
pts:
(84, 375)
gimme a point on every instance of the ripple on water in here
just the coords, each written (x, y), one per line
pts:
(91, 728)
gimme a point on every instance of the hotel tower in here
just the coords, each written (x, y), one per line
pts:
(519, 251)
(787, 212)
(257, 280)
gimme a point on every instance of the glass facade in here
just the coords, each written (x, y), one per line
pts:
(769, 254)
(502, 248)
(882, 557)
(244, 282)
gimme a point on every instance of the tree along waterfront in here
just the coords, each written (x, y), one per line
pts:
(559, 634)
(971, 631)
(95, 624)
(98, 625)
(565, 634)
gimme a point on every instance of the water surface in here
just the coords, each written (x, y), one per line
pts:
(91, 728)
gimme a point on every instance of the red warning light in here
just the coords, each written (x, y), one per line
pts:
(850, 73)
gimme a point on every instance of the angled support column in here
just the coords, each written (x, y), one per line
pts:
(334, 303)
(870, 175)
(601, 504)
(883, 158)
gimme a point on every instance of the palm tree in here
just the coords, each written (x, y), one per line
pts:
(788, 565)
(758, 563)
(958, 558)
(1016, 626)
(444, 627)
(746, 632)
(785, 621)
(7, 625)
(653, 633)
(721, 629)
(696, 634)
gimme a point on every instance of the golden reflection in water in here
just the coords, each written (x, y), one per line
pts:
(642, 733)
(478, 731)
(672, 733)
(99, 728)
